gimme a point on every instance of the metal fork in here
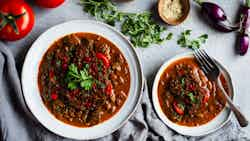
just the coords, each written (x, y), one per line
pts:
(213, 73)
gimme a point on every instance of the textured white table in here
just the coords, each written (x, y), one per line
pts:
(219, 45)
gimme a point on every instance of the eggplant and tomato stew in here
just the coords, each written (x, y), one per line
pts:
(83, 79)
(186, 95)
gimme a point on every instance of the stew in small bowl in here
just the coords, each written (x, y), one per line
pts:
(184, 97)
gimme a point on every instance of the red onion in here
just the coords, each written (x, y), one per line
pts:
(243, 43)
(216, 16)
(243, 38)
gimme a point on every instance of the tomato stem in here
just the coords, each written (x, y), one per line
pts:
(10, 19)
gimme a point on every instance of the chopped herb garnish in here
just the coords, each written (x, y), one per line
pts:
(191, 97)
(58, 62)
(102, 10)
(185, 41)
(140, 28)
(181, 106)
(169, 36)
(80, 78)
(183, 82)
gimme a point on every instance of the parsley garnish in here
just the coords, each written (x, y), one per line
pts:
(80, 78)
(183, 82)
(185, 41)
(191, 97)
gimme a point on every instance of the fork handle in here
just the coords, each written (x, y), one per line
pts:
(238, 114)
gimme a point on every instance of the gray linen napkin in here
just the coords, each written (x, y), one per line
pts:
(17, 123)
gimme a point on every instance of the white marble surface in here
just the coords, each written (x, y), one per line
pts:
(219, 45)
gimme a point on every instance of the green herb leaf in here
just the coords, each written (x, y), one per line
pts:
(87, 84)
(181, 106)
(76, 79)
(72, 85)
(203, 38)
(183, 81)
(103, 10)
(191, 97)
(185, 41)
(169, 36)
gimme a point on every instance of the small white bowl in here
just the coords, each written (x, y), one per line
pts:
(30, 76)
(219, 121)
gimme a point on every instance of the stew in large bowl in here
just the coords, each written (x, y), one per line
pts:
(83, 79)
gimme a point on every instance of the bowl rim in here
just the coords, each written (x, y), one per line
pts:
(169, 123)
(169, 21)
(138, 63)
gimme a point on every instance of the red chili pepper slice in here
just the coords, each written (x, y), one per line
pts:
(104, 59)
(178, 109)
(109, 89)
(54, 96)
(206, 98)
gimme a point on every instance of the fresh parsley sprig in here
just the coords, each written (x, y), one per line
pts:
(75, 78)
(186, 41)
(142, 30)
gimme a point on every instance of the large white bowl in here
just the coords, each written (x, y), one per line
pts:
(213, 125)
(30, 78)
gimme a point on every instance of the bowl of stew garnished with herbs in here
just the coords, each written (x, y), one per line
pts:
(186, 100)
(83, 79)
(82, 82)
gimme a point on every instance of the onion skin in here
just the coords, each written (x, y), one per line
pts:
(243, 44)
(216, 17)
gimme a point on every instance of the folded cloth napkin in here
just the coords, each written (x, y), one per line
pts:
(17, 123)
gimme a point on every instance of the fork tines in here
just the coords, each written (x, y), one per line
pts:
(206, 63)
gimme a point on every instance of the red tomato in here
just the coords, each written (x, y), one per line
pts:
(16, 19)
(178, 109)
(104, 59)
(109, 89)
(206, 95)
(54, 96)
(49, 3)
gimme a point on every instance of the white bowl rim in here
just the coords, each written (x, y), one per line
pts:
(140, 72)
(175, 126)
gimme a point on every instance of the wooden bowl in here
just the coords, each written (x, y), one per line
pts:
(186, 9)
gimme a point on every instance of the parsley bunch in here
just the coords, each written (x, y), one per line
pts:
(82, 78)
(140, 28)
(103, 10)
